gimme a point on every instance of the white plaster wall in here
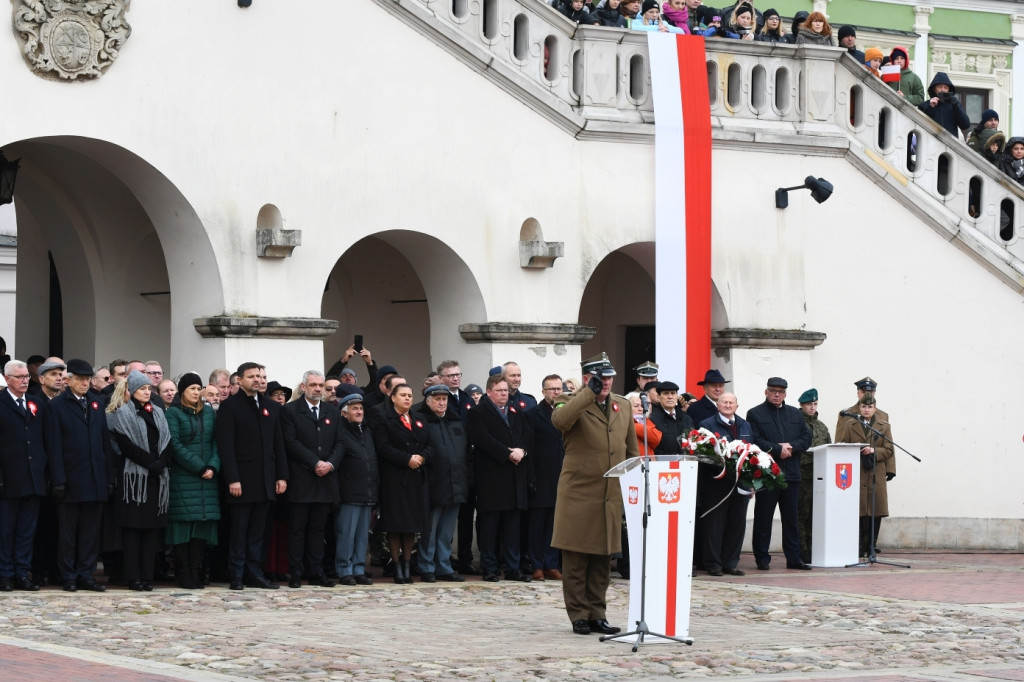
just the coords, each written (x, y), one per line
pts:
(8, 296)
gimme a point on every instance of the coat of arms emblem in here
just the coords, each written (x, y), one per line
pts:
(71, 39)
(668, 487)
(843, 479)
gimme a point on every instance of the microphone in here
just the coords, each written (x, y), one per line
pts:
(645, 403)
(849, 414)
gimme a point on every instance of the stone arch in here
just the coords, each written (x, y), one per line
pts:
(406, 293)
(619, 301)
(125, 242)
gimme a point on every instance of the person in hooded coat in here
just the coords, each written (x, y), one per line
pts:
(943, 106)
(909, 85)
(1012, 161)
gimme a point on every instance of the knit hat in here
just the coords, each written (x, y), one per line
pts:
(137, 380)
(650, 4)
(769, 13)
(873, 53)
(189, 379)
(847, 31)
(989, 113)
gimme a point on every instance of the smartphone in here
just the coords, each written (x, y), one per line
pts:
(358, 343)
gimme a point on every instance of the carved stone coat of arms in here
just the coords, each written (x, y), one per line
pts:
(71, 39)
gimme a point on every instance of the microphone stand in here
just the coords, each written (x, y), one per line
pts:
(872, 557)
(642, 630)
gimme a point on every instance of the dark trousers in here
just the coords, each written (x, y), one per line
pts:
(492, 524)
(44, 548)
(330, 562)
(585, 579)
(140, 548)
(542, 523)
(764, 509)
(723, 527)
(466, 514)
(306, 534)
(18, 517)
(245, 544)
(79, 543)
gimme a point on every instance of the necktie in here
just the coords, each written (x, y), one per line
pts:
(405, 422)
(21, 404)
(316, 417)
(81, 401)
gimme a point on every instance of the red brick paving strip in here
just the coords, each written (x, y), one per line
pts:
(25, 664)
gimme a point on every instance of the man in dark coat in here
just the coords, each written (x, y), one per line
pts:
(943, 106)
(781, 431)
(501, 439)
(254, 466)
(670, 419)
(360, 483)
(459, 404)
(514, 375)
(312, 440)
(378, 393)
(79, 443)
(714, 386)
(545, 462)
(23, 469)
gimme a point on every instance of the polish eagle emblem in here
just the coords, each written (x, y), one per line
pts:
(668, 487)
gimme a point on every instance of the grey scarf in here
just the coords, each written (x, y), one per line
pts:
(126, 421)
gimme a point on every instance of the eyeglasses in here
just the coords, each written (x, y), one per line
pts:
(453, 374)
(155, 374)
(18, 377)
(499, 390)
(777, 391)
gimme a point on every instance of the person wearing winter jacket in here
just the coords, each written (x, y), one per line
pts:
(909, 85)
(575, 10)
(989, 121)
(772, 31)
(1012, 162)
(944, 106)
(608, 14)
(816, 31)
(794, 29)
(675, 13)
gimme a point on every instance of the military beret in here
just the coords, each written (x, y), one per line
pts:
(809, 396)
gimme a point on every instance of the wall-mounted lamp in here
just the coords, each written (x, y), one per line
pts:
(821, 190)
(244, 3)
(8, 174)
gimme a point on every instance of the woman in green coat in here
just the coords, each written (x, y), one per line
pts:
(195, 502)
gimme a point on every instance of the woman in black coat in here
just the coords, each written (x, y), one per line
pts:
(403, 450)
(143, 442)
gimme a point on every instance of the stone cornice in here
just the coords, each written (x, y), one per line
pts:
(523, 332)
(789, 339)
(227, 326)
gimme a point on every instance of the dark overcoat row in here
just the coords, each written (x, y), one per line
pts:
(404, 492)
(501, 484)
(251, 447)
(24, 463)
(79, 443)
(308, 441)
(448, 469)
(545, 460)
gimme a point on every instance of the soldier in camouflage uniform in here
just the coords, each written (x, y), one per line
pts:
(819, 436)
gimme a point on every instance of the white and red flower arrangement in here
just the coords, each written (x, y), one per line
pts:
(747, 464)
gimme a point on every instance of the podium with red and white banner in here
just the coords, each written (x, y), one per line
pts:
(669, 541)
(836, 518)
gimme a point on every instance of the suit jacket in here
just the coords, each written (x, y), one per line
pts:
(460, 404)
(79, 444)
(701, 410)
(501, 485)
(786, 424)
(307, 442)
(251, 447)
(545, 458)
(23, 458)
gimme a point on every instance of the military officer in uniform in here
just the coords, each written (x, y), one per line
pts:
(819, 436)
(597, 428)
(645, 374)
(867, 386)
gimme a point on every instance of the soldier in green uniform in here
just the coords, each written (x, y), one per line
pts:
(597, 429)
(819, 436)
(868, 386)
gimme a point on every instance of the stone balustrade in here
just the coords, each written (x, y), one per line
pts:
(595, 82)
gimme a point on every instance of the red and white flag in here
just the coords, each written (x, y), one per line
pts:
(682, 152)
(890, 73)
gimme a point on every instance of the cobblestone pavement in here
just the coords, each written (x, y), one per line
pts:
(950, 617)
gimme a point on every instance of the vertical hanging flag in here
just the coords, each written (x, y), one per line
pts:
(682, 214)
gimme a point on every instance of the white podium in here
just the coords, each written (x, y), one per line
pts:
(669, 541)
(836, 517)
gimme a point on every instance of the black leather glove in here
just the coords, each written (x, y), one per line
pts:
(867, 462)
(889, 475)
(157, 466)
(111, 487)
(594, 383)
(58, 493)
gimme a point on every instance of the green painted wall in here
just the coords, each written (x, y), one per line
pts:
(859, 12)
(955, 22)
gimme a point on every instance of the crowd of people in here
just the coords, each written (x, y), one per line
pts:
(249, 481)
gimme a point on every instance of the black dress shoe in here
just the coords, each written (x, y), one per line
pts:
(347, 580)
(320, 580)
(451, 578)
(714, 571)
(581, 627)
(763, 567)
(91, 585)
(23, 582)
(261, 582)
(799, 566)
(469, 570)
(147, 586)
(236, 584)
(518, 576)
(137, 585)
(295, 582)
(733, 571)
(70, 586)
(363, 579)
(602, 626)
(428, 577)
(491, 577)
(6, 585)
